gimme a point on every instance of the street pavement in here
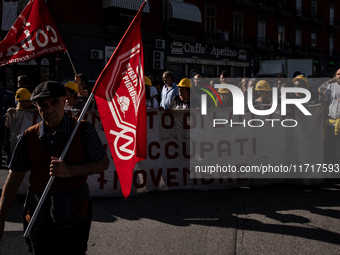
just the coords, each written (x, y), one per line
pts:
(273, 219)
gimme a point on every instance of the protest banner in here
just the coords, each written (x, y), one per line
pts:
(167, 166)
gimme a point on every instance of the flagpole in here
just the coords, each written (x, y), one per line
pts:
(74, 70)
(50, 181)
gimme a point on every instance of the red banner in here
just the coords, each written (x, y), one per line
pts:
(32, 35)
(120, 96)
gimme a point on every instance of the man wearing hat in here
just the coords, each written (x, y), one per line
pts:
(182, 101)
(72, 100)
(226, 98)
(301, 81)
(63, 223)
(264, 92)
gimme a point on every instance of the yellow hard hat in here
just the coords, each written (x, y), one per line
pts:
(72, 85)
(301, 77)
(263, 85)
(223, 90)
(22, 94)
(184, 83)
(147, 81)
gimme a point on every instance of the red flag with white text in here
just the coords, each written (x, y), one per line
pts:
(33, 34)
(120, 97)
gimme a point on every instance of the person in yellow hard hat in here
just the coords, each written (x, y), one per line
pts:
(23, 97)
(226, 98)
(300, 81)
(183, 100)
(264, 92)
(151, 102)
(72, 100)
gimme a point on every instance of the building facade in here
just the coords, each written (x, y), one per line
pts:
(190, 36)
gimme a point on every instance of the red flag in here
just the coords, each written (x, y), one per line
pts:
(120, 97)
(32, 35)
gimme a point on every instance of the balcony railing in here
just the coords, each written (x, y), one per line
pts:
(316, 50)
(268, 3)
(178, 29)
(334, 22)
(288, 7)
(265, 42)
(308, 49)
(335, 53)
(240, 39)
(283, 45)
(213, 35)
(301, 48)
(299, 12)
(317, 17)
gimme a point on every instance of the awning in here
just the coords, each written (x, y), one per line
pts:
(180, 10)
(126, 4)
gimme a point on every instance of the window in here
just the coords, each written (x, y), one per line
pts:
(298, 7)
(238, 27)
(281, 37)
(210, 22)
(298, 37)
(314, 9)
(331, 15)
(261, 33)
(331, 44)
(313, 39)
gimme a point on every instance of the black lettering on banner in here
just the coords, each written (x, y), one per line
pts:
(172, 120)
(142, 180)
(156, 179)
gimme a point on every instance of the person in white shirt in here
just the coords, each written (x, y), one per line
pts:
(331, 101)
(169, 90)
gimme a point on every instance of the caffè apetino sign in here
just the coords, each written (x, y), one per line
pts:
(179, 48)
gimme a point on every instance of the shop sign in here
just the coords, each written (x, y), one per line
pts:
(178, 48)
(224, 52)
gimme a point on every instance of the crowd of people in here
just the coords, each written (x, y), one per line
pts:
(326, 92)
(171, 95)
(167, 93)
(66, 216)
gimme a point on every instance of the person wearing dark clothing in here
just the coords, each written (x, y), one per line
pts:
(63, 223)
(6, 102)
(23, 82)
